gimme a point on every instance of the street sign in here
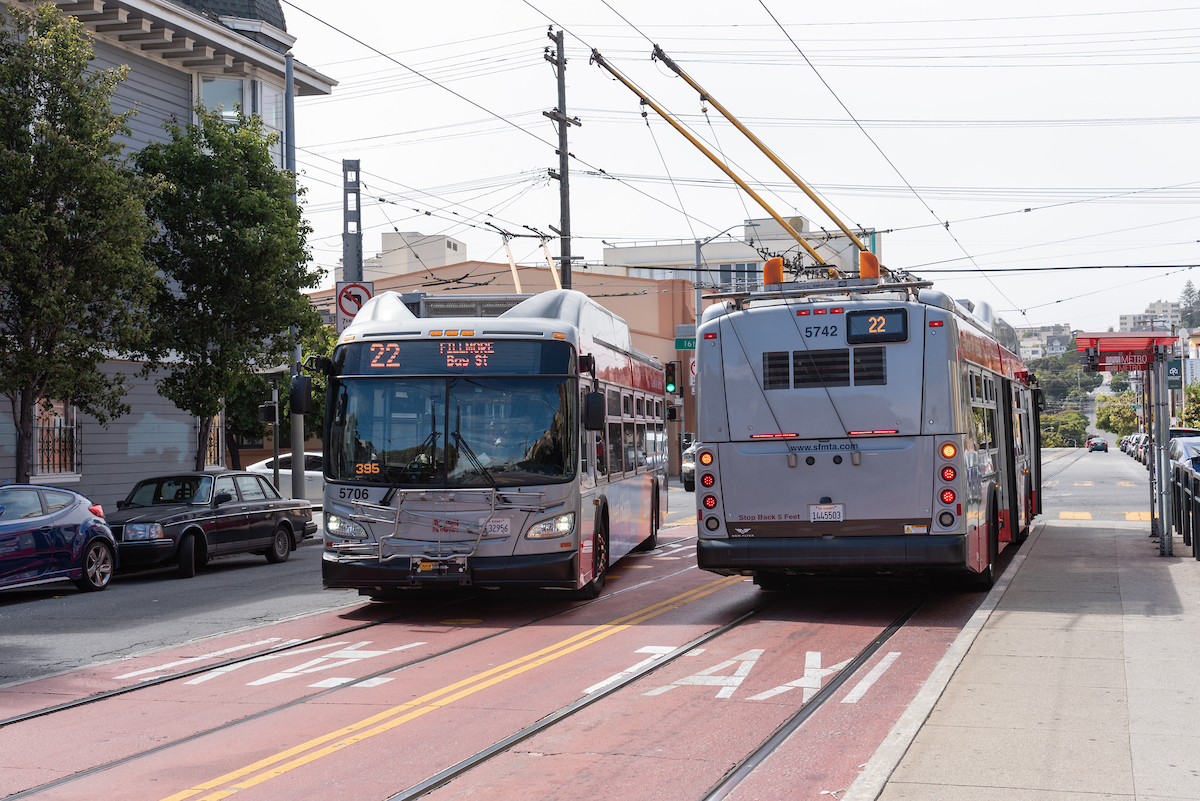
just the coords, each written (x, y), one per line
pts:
(349, 297)
(685, 343)
(1175, 374)
(1124, 362)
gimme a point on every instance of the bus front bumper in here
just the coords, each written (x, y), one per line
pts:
(552, 570)
(834, 554)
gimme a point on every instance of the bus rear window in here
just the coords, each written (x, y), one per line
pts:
(817, 368)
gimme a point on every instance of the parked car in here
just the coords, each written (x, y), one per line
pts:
(1098, 445)
(687, 470)
(187, 518)
(314, 475)
(51, 534)
(1185, 450)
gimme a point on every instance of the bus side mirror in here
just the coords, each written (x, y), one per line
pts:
(300, 394)
(1039, 397)
(593, 411)
(672, 413)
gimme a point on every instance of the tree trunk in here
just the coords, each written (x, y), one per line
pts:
(235, 452)
(23, 411)
(202, 441)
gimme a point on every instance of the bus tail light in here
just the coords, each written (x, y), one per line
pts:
(710, 501)
(949, 473)
(948, 450)
(706, 458)
(946, 519)
(947, 496)
(707, 480)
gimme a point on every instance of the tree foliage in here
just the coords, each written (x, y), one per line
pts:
(1189, 306)
(1064, 430)
(1116, 413)
(74, 286)
(241, 405)
(1062, 377)
(231, 244)
(1120, 382)
(1191, 405)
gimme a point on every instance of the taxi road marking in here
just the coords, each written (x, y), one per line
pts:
(1139, 516)
(389, 719)
(1126, 484)
(860, 689)
(705, 678)
(1074, 515)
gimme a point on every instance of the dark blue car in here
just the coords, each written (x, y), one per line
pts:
(50, 534)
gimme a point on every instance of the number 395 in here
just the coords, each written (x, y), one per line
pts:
(366, 469)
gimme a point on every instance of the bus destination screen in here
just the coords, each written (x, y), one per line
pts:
(877, 325)
(455, 357)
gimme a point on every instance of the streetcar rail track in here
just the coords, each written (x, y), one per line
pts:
(97, 769)
(731, 779)
(284, 647)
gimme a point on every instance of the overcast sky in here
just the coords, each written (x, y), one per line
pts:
(1048, 135)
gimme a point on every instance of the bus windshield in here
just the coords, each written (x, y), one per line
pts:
(452, 432)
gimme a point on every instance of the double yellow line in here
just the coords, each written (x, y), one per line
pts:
(318, 747)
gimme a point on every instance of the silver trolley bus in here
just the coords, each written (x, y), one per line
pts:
(525, 450)
(853, 425)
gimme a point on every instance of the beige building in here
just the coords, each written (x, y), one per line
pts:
(1162, 315)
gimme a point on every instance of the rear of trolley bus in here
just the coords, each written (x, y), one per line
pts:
(837, 436)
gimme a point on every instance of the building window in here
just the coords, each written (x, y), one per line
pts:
(223, 95)
(57, 446)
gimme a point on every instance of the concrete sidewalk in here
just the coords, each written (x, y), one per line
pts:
(1077, 679)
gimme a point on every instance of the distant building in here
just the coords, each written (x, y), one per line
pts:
(734, 263)
(1040, 332)
(1159, 316)
(1058, 345)
(1032, 349)
(412, 252)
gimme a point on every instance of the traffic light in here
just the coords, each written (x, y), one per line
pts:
(672, 381)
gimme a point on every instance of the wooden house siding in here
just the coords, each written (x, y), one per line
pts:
(158, 92)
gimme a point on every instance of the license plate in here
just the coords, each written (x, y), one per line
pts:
(826, 512)
(431, 568)
(497, 527)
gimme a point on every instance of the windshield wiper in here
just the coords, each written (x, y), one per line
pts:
(471, 457)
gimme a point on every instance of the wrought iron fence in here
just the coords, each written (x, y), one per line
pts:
(58, 445)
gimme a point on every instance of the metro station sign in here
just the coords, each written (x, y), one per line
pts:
(1125, 362)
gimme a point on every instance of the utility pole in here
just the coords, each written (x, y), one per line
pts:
(559, 59)
(289, 132)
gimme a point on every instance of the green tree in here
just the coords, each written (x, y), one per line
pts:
(1069, 429)
(1120, 382)
(1189, 306)
(74, 286)
(241, 405)
(1191, 405)
(1115, 413)
(232, 245)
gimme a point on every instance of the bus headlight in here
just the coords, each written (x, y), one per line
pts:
(559, 526)
(342, 528)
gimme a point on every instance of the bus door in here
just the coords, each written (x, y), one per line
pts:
(1007, 438)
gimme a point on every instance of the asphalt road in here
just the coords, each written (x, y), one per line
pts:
(54, 628)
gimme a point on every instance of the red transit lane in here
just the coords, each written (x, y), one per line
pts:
(340, 718)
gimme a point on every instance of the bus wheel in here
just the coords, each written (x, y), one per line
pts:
(651, 542)
(985, 580)
(599, 566)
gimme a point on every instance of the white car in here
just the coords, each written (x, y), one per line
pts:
(314, 475)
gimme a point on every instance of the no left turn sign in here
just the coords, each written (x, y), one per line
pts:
(350, 297)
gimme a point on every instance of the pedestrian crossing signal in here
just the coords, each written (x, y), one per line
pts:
(672, 373)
